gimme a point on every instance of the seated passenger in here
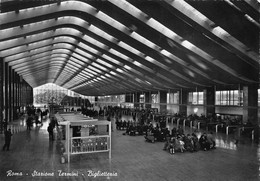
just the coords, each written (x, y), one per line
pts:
(139, 130)
(172, 144)
(179, 144)
(158, 134)
(145, 128)
(117, 124)
(188, 143)
(120, 124)
(132, 130)
(211, 140)
(204, 144)
(195, 140)
(182, 148)
(166, 133)
(167, 143)
(150, 135)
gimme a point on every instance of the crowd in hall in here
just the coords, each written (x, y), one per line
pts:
(35, 115)
(175, 139)
(142, 117)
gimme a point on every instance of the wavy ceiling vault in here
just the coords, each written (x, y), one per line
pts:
(116, 47)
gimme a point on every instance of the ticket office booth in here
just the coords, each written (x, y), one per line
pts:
(87, 136)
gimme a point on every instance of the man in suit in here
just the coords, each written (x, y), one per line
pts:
(8, 136)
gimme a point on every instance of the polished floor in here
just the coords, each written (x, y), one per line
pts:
(31, 154)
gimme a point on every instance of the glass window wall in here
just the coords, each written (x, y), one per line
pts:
(229, 97)
(173, 98)
(196, 98)
(53, 94)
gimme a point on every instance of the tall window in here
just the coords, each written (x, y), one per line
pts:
(155, 98)
(196, 98)
(229, 97)
(141, 99)
(155, 101)
(173, 98)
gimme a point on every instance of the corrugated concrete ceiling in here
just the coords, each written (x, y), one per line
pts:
(117, 46)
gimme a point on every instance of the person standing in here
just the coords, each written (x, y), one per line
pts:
(50, 131)
(29, 122)
(8, 136)
(54, 122)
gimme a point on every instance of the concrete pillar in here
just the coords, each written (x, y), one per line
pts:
(183, 102)
(17, 80)
(7, 102)
(26, 92)
(209, 101)
(19, 92)
(148, 100)
(11, 96)
(250, 107)
(96, 100)
(137, 100)
(1, 94)
(14, 95)
(163, 101)
(23, 93)
(250, 103)
(31, 94)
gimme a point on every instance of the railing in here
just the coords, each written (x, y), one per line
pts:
(89, 144)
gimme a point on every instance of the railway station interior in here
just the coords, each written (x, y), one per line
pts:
(129, 90)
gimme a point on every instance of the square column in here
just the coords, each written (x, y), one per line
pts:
(148, 100)
(163, 101)
(1, 94)
(19, 92)
(209, 101)
(183, 102)
(11, 96)
(250, 108)
(250, 104)
(7, 92)
(137, 100)
(14, 95)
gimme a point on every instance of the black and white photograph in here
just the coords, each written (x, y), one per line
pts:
(129, 90)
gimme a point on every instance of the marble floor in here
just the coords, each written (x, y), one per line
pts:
(32, 154)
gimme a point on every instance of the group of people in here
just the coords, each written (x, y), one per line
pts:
(156, 133)
(134, 128)
(123, 125)
(189, 142)
(176, 140)
(35, 115)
